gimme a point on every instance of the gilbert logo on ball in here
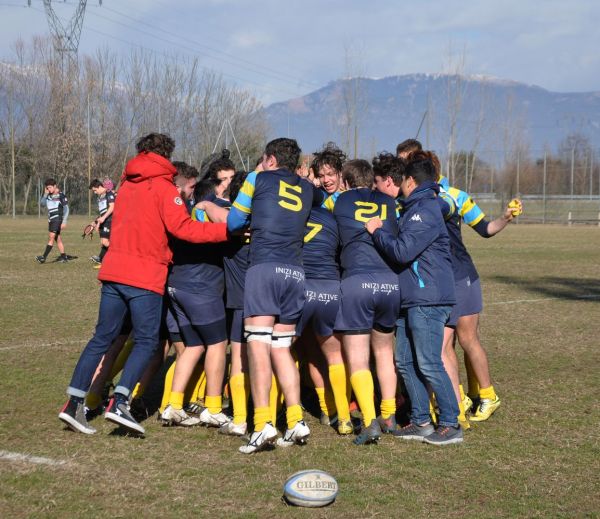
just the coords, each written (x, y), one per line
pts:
(311, 488)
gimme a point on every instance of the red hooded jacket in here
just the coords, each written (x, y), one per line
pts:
(147, 208)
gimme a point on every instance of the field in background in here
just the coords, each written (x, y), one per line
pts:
(536, 457)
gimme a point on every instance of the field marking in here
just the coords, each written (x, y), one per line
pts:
(44, 345)
(28, 458)
(584, 296)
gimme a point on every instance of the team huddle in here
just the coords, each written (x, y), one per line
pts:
(348, 271)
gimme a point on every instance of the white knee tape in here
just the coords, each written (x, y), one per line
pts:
(283, 339)
(258, 333)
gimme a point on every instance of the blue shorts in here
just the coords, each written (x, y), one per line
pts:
(274, 289)
(369, 301)
(236, 332)
(321, 306)
(173, 327)
(469, 300)
(200, 318)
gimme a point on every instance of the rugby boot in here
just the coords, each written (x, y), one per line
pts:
(297, 435)
(485, 409)
(172, 416)
(260, 440)
(370, 434)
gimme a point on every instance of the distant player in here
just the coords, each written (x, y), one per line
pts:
(276, 203)
(58, 212)
(106, 206)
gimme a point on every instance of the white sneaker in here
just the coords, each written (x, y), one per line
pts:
(297, 435)
(172, 416)
(260, 440)
(213, 420)
(233, 429)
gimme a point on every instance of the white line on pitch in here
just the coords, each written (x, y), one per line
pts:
(28, 458)
(584, 296)
(44, 345)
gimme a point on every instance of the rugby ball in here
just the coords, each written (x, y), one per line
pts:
(311, 488)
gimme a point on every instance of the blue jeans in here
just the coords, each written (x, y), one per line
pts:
(146, 310)
(419, 338)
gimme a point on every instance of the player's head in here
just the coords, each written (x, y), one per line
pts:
(236, 184)
(418, 171)
(281, 153)
(405, 148)
(97, 187)
(327, 165)
(51, 185)
(158, 143)
(427, 154)
(185, 179)
(357, 173)
(206, 190)
(388, 171)
(220, 168)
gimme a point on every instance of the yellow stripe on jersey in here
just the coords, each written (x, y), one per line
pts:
(246, 210)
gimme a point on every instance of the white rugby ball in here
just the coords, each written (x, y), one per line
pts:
(311, 488)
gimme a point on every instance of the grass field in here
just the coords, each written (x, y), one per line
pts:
(538, 456)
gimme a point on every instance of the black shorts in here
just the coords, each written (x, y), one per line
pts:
(54, 226)
(104, 230)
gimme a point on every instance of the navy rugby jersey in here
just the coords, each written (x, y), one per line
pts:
(352, 210)
(321, 241)
(57, 206)
(197, 267)
(276, 204)
(236, 261)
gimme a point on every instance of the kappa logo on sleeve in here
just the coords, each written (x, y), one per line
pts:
(416, 218)
(178, 200)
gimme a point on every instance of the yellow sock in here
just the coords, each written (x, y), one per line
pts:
(432, 412)
(138, 391)
(362, 385)
(339, 382)
(167, 389)
(92, 400)
(176, 400)
(462, 392)
(191, 390)
(214, 404)
(121, 358)
(238, 385)
(200, 388)
(487, 393)
(293, 415)
(461, 412)
(322, 403)
(473, 383)
(262, 415)
(275, 397)
(388, 407)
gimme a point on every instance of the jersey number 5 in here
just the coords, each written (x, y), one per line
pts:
(291, 200)
(368, 210)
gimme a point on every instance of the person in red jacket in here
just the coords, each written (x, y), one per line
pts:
(133, 275)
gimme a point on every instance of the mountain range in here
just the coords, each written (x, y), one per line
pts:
(487, 115)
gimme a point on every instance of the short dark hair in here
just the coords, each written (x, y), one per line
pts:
(214, 163)
(184, 172)
(388, 165)
(424, 155)
(330, 155)
(408, 146)
(358, 173)
(421, 170)
(236, 184)
(158, 143)
(50, 182)
(286, 152)
(219, 165)
(204, 189)
(96, 183)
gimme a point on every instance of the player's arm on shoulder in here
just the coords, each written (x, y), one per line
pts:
(178, 222)
(239, 214)
(419, 230)
(214, 212)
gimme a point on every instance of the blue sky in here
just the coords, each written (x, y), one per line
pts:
(286, 49)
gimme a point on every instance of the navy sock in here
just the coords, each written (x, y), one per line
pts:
(47, 251)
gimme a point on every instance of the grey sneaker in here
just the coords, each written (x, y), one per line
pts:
(370, 434)
(445, 436)
(414, 432)
(73, 414)
(118, 412)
